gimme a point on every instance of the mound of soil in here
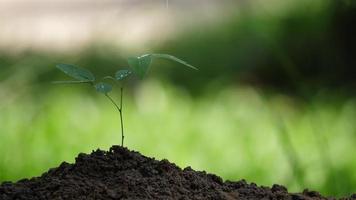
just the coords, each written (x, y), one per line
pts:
(123, 174)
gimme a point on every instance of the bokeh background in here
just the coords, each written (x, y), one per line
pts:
(273, 102)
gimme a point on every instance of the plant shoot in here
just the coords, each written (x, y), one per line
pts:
(138, 65)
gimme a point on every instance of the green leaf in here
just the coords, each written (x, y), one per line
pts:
(122, 74)
(140, 64)
(103, 87)
(76, 72)
(173, 58)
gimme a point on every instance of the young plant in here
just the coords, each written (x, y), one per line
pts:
(138, 65)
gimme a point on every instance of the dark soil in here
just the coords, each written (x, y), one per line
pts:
(123, 174)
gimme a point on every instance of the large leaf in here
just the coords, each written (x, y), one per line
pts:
(122, 74)
(103, 87)
(173, 58)
(140, 64)
(76, 72)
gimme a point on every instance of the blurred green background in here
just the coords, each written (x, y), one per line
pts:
(273, 102)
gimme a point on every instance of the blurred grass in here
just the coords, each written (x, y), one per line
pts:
(233, 132)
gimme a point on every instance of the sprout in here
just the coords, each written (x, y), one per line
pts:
(139, 65)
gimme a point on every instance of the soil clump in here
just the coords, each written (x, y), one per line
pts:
(123, 174)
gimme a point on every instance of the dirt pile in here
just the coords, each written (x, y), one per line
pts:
(123, 174)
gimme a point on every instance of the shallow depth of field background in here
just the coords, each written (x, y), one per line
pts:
(273, 102)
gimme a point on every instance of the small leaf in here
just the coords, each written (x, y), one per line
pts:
(76, 72)
(173, 58)
(103, 87)
(140, 64)
(122, 74)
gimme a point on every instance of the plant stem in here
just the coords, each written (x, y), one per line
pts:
(119, 108)
(121, 119)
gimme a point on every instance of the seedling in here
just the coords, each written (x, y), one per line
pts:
(138, 65)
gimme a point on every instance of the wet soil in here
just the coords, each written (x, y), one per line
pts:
(124, 174)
